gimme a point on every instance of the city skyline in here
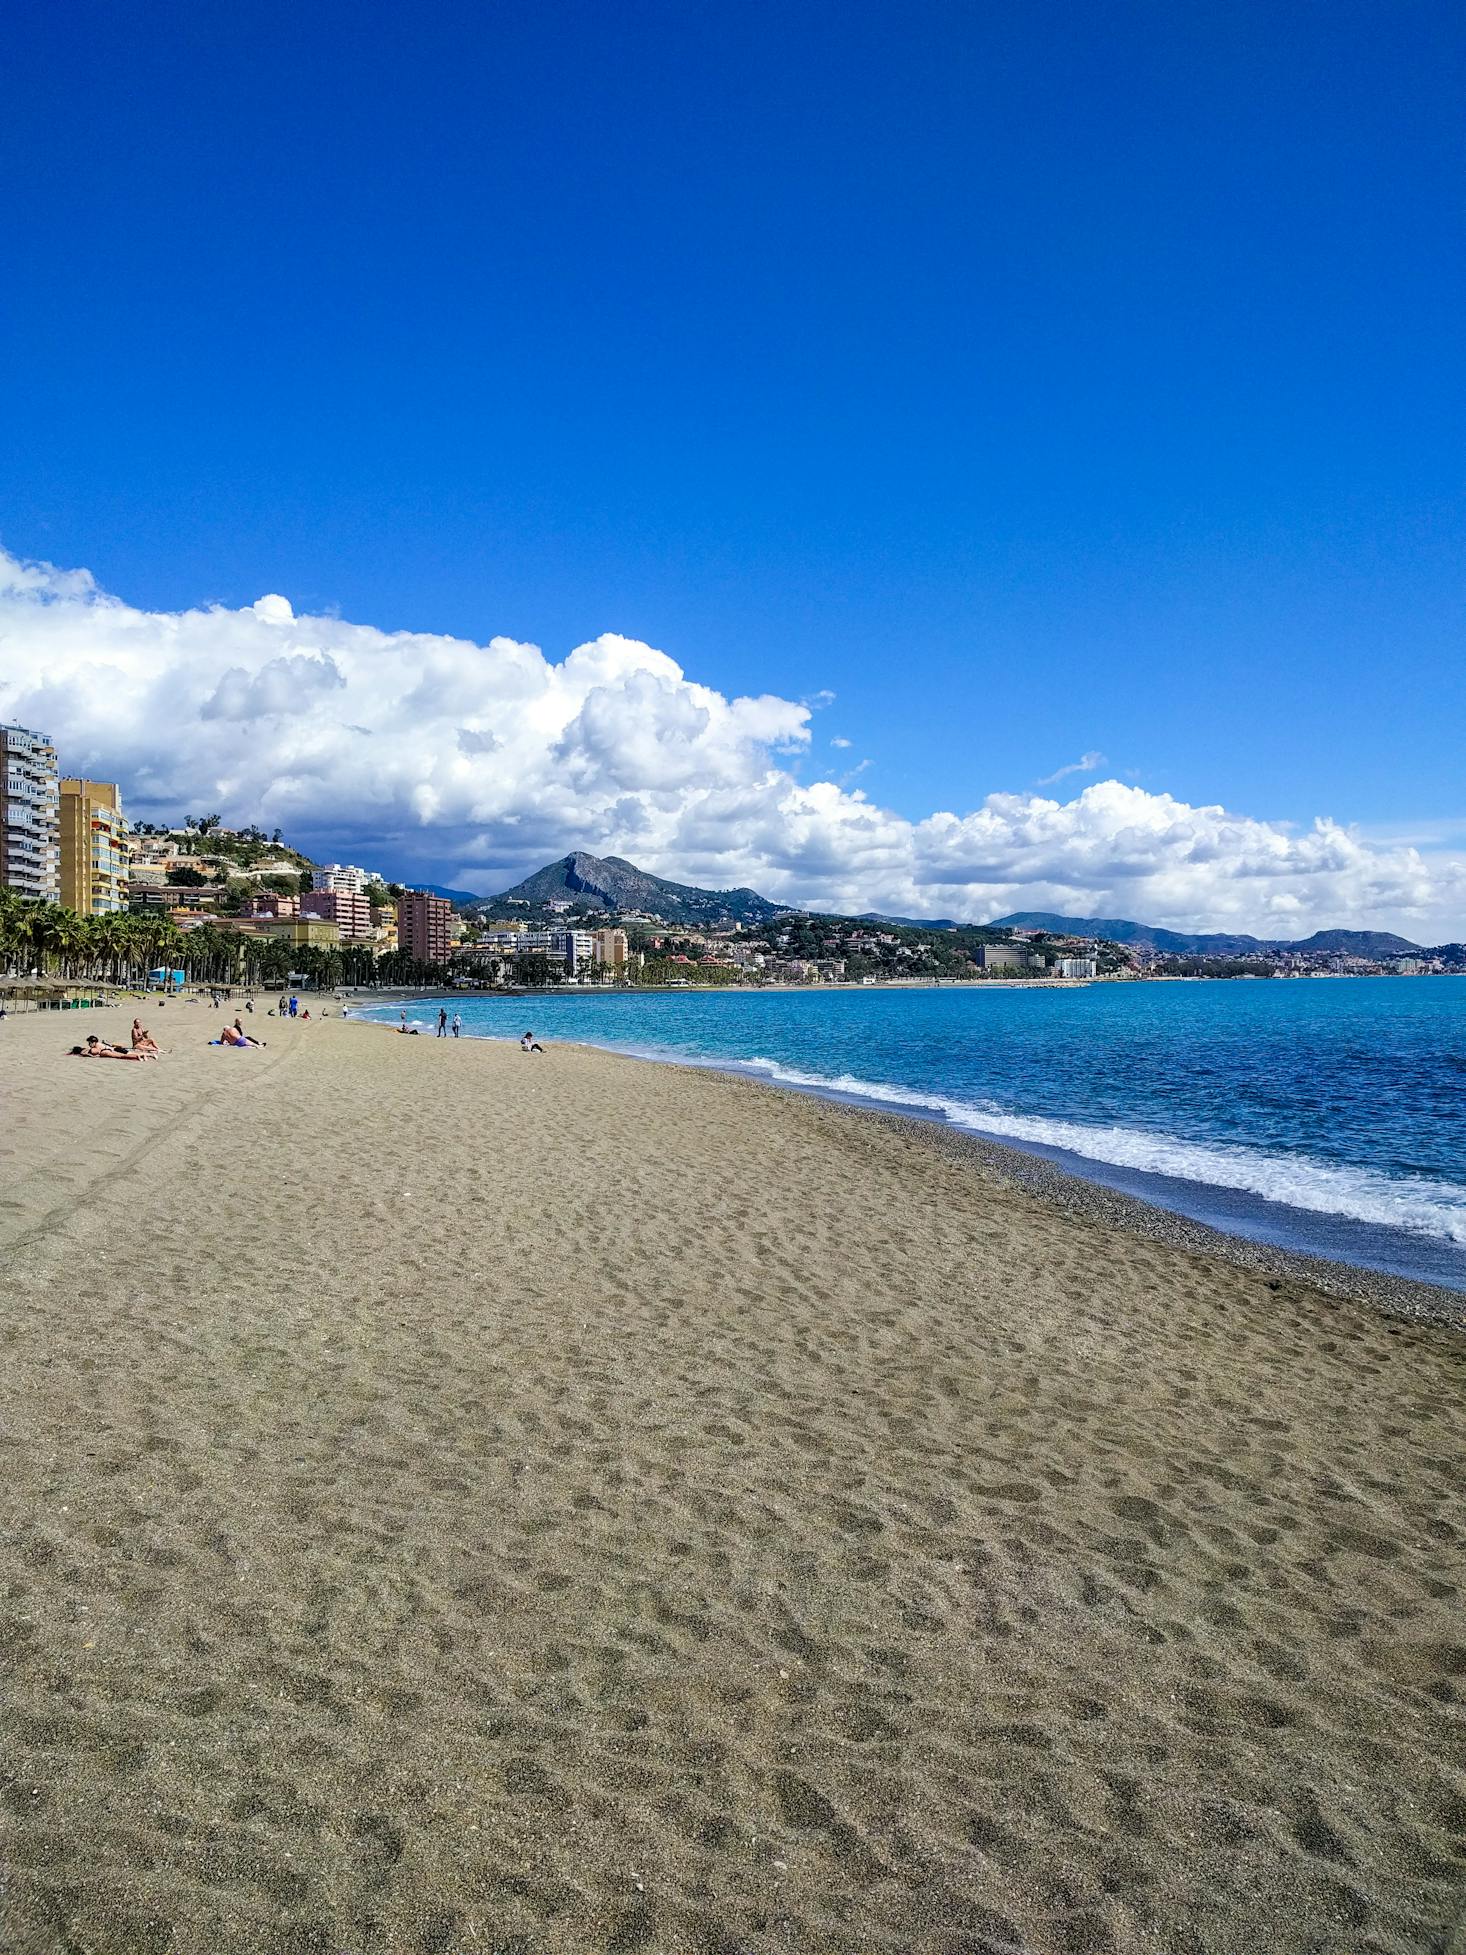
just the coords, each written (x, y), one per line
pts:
(467, 765)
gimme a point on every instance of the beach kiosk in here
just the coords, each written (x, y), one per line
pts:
(165, 980)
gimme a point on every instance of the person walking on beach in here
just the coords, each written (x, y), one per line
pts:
(442, 1021)
(402, 1019)
(457, 1023)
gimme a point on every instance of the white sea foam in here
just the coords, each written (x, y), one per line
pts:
(1423, 1207)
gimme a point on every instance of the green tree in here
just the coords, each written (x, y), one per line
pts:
(535, 970)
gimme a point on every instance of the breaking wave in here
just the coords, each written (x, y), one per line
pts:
(1424, 1207)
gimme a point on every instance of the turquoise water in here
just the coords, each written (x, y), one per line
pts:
(1328, 1115)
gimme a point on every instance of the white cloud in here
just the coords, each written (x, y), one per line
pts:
(1087, 763)
(837, 741)
(470, 764)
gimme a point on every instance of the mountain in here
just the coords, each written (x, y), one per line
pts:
(615, 884)
(1358, 943)
(457, 897)
(909, 922)
(612, 883)
(1181, 943)
(1117, 930)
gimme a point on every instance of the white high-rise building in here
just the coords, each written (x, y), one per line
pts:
(342, 878)
(30, 814)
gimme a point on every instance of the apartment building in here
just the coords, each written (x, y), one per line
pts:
(425, 926)
(342, 878)
(573, 948)
(317, 931)
(30, 815)
(93, 848)
(145, 894)
(609, 947)
(347, 909)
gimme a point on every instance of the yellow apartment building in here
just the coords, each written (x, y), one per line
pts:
(318, 931)
(93, 848)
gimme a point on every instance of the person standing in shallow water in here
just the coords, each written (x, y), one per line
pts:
(442, 1021)
(457, 1023)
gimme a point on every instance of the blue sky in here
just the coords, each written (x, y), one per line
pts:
(1042, 381)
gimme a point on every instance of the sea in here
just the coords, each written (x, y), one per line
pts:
(1324, 1115)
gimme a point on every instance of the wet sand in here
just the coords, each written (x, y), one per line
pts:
(459, 1500)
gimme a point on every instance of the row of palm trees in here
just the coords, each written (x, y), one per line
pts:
(47, 940)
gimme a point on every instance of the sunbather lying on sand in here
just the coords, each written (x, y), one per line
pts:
(94, 1049)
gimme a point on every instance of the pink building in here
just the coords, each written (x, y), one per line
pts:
(424, 926)
(268, 904)
(352, 914)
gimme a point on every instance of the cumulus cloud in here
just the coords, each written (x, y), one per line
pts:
(1087, 763)
(471, 763)
(836, 740)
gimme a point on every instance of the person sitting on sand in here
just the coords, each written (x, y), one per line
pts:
(230, 1037)
(142, 1038)
(529, 1043)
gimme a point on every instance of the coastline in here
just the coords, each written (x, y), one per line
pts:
(1072, 1194)
(464, 1498)
(1076, 1193)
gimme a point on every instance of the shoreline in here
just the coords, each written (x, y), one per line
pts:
(1407, 1298)
(1411, 1299)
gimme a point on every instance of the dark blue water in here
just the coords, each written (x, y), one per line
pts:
(1328, 1115)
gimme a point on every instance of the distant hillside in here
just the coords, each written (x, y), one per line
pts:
(1357, 943)
(458, 897)
(909, 922)
(611, 883)
(1119, 930)
(1181, 943)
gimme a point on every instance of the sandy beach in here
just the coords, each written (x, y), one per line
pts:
(460, 1500)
